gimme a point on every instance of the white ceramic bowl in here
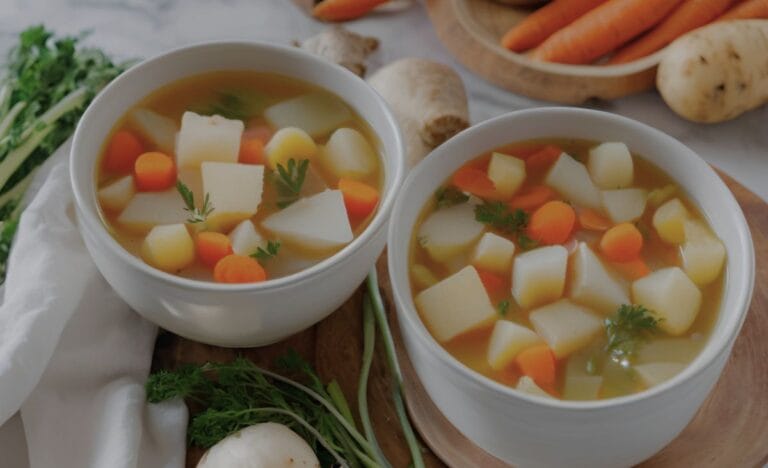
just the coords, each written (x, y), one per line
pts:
(222, 314)
(532, 431)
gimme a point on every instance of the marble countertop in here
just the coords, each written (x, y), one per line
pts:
(142, 28)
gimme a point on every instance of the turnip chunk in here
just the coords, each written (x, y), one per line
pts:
(508, 339)
(507, 173)
(671, 296)
(493, 253)
(289, 143)
(592, 285)
(527, 385)
(208, 138)
(168, 247)
(147, 209)
(610, 165)
(624, 205)
(316, 222)
(703, 253)
(116, 195)
(348, 154)
(245, 239)
(315, 113)
(538, 276)
(658, 372)
(571, 180)
(565, 326)
(157, 129)
(423, 277)
(668, 221)
(234, 190)
(449, 231)
(455, 305)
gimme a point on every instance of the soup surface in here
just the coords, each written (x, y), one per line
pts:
(567, 269)
(238, 176)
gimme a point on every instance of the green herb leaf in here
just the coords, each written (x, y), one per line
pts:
(196, 215)
(450, 196)
(235, 105)
(525, 242)
(627, 329)
(499, 216)
(503, 307)
(271, 251)
(289, 180)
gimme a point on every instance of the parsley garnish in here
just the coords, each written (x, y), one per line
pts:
(196, 215)
(627, 328)
(271, 251)
(499, 216)
(449, 196)
(526, 243)
(503, 307)
(289, 180)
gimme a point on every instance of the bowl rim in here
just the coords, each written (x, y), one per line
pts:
(92, 222)
(408, 315)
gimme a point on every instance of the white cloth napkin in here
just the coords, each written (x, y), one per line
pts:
(73, 356)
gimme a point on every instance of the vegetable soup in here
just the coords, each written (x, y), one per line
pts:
(567, 269)
(238, 176)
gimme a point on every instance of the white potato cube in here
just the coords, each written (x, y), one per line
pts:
(245, 239)
(157, 129)
(507, 173)
(315, 113)
(657, 372)
(668, 221)
(571, 180)
(318, 222)
(493, 253)
(703, 253)
(456, 305)
(624, 205)
(610, 165)
(592, 285)
(234, 190)
(289, 143)
(348, 154)
(565, 326)
(116, 195)
(208, 138)
(527, 385)
(168, 247)
(147, 209)
(538, 276)
(449, 231)
(671, 296)
(508, 339)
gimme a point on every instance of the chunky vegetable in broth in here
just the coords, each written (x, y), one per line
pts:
(567, 268)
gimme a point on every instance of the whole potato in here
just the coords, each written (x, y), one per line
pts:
(717, 72)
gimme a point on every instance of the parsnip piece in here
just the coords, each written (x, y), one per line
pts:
(168, 247)
(671, 296)
(658, 372)
(508, 339)
(423, 277)
(610, 166)
(147, 209)
(592, 285)
(342, 46)
(527, 385)
(565, 326)
(158, 129)
(668, 221)
(289, 143)
(571, 180)
(234, 189)
(449, 231)
(493, 253)
(348, 154)
(118, 194)
(703, 253)
(208, 138)
(538, 276)
(624, 205)
(507, 173)
(245, 239)
(316, 113)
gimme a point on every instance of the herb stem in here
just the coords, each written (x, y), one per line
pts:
(17, 190)
(10, 117)
(338, 399)
(15, 158)
(369, 343)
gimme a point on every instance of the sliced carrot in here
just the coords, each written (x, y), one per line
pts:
(552, 223)
(123, 150)
(543, 159)
(259, 129)
(238, 269)
(748, 9)
(212, 247)
(251, 151)
(475, 181)
(633, 269)
(538, 362)
(593, 221)
(154, 172)
(360, 199)
(495, 285)
(532, 198)
(343, 10)
(622, 243)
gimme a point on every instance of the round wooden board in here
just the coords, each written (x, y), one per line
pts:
(471, 31)
(731, 429)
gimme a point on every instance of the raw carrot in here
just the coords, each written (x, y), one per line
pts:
(633, 269)
(748, 9)
(602, 30)
(543, 158)
(475, 181)
(251, 151)
(552, 223)
(622, 243)
(687, 17)
(154, 172)
(591, 220)
(212, 247)
(538, 363)
(495, 285)
(540, 24)
(238, 269)
(359, 198)
(532, 198)
(343, 10)
(123, 150)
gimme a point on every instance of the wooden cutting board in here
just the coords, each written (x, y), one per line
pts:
(731, 429)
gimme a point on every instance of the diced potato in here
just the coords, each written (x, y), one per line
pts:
(527, 385)
(289, 143)
(507, 173)
(571, 179)
(157, 129)
(116, 195)
(315, 113)
(168, 247)
(565, 326)
(245, 239)
(147, 209)
(624, 205)
(423, 276)
(592, 285)
(348, 154)
(318, 222)
(508, 339)
(671, 296)
(658, 372)
(668, 221)
(208, 138)
(703, 253)
(447, 232)
(493, 253)
(538, 276)
(582, 387)
(610, 165)
(456, 305)
(234, 190)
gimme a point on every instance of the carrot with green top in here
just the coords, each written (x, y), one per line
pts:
(748, 9)
(212, 247)
(538, 362)
(343, 10)
(238, 269)
(552, 223)
(123, 150)
(622, 243)
(360, 199)
(154, 172)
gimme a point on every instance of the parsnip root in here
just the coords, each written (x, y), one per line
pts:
(342, 46)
